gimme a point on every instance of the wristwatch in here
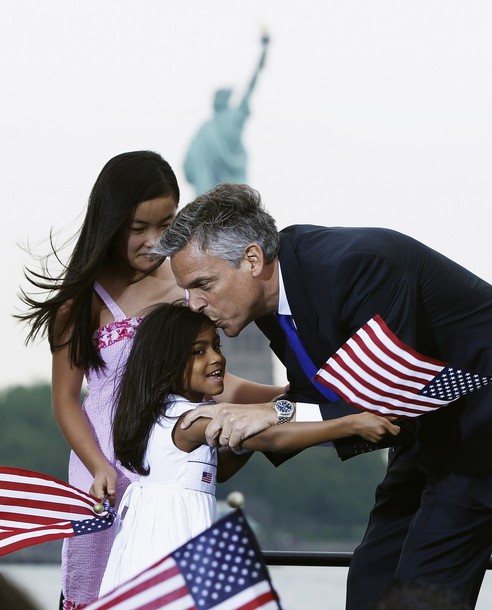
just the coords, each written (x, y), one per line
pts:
(285, 410)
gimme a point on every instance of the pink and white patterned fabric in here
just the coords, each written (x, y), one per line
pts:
(84, 558)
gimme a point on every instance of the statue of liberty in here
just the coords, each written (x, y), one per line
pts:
(216, 153)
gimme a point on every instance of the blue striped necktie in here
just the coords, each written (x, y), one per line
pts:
(288, 326)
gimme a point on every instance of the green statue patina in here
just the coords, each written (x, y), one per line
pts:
(216, 153)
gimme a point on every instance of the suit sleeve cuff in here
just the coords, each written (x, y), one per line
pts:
(307, 412)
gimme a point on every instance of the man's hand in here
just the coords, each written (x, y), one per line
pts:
(232, 423)
(202, 411)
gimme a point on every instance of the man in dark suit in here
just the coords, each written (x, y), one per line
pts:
(432, 520)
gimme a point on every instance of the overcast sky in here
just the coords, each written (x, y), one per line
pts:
(373, 113)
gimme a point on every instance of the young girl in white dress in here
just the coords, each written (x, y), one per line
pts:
(174, 363)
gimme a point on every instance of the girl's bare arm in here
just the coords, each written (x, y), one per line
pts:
(295, 436)
(66, 387)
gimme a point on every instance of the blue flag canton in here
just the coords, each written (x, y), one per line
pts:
(89, 526)
(451, 383)
(222, 562)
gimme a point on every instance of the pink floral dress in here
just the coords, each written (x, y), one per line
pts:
(84, 558)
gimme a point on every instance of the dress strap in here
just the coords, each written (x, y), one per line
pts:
(109, 302)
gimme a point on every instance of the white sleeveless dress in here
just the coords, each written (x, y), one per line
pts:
(163, 510)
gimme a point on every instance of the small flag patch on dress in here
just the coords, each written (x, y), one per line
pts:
(377, 372)
(207, 477)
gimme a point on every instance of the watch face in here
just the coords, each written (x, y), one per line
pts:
(284, 406)
(285, 410)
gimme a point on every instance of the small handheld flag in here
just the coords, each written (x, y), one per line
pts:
(377, 372)
(36, 508)
(222, 568)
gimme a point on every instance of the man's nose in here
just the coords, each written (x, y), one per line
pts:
(196, 303)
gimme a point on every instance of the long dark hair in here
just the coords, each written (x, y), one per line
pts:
(155, 368)
(124, 182)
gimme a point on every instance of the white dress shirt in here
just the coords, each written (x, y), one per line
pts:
(304, 411)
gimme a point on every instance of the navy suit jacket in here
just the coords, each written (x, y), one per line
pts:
(336, 279)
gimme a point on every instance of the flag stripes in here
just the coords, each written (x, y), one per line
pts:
(11, 541)
(36, 508)
(39, 498)
(377, 372)
(160, 584)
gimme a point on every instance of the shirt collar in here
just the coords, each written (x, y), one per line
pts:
(283, 304)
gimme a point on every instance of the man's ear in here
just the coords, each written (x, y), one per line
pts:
(253, 255)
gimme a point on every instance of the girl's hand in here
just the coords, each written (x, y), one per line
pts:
(373, 427)
(104, 484)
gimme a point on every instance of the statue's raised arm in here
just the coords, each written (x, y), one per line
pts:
(265, 41)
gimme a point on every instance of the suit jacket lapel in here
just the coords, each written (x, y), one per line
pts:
(303, 307)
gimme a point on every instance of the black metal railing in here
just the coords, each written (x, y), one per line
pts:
(308, 558)
(314, 558)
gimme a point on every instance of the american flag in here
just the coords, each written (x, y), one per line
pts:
(207, 477)
(221, 569)
(377, 372)
(36, 508)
